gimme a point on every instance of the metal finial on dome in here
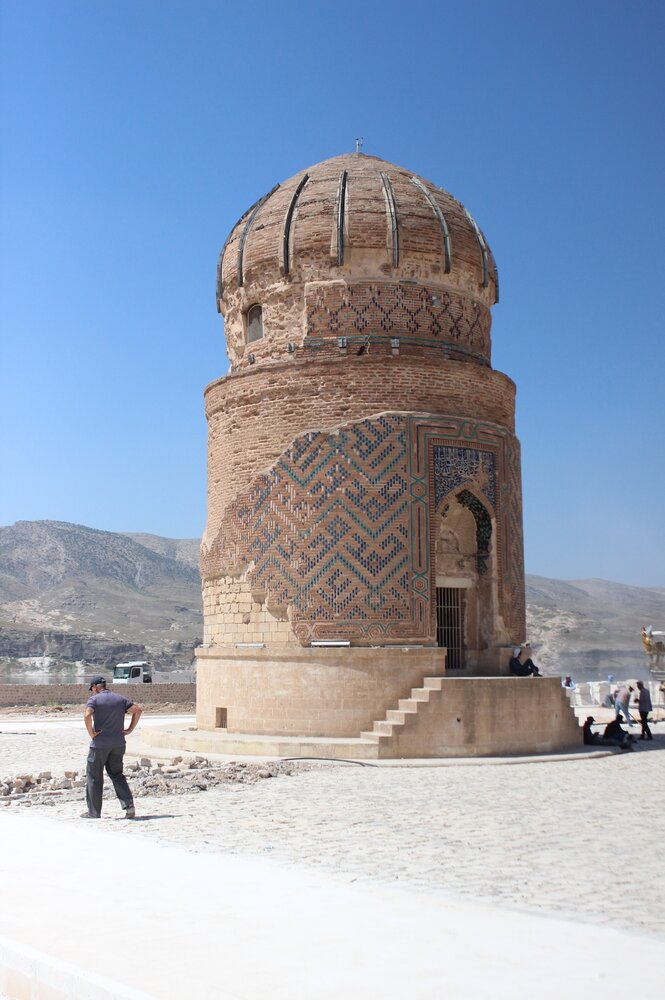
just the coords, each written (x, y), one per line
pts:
(359, 144)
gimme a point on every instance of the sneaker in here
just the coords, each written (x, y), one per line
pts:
(130, 812)
(89, 816)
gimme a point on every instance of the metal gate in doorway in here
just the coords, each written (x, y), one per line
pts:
(450, 625)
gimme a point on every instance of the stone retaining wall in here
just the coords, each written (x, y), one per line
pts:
(77, 694)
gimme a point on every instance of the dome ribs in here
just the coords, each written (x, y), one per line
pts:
(481, 244)
(447, 249)
(220, 277)
(245, 233)
(495, 272)
(351, 218)
(339, 215)
(284, 262)
(392, 215)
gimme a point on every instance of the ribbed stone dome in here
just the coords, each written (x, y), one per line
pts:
(353, 218)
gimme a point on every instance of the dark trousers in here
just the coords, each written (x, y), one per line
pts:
(646, 732)
(111, 759)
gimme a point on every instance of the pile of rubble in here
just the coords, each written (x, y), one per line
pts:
(146, 777)
(44, 783)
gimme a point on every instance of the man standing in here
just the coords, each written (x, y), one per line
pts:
(105, 721)
(622, 702)
(643, 702)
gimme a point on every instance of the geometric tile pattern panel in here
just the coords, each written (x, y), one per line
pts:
(339, 528)
(413, 312)
(327, 531)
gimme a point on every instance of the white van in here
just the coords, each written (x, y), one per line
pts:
(134, 672)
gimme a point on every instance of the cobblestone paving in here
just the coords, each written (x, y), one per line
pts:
(547, 837)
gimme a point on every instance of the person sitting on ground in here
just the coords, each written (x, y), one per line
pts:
(618, 736)
(619, 739)
(588, 736)
(523, 668)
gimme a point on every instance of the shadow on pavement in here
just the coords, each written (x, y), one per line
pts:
(144, 819)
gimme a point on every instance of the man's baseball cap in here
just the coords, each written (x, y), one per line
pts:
(97, 679)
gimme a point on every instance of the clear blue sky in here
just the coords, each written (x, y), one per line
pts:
(136, 132)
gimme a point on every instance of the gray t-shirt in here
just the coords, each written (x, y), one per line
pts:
(108, 718)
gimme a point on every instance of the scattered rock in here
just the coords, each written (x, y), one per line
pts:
(191, 776)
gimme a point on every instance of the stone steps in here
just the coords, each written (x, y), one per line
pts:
(369, 745)
(383, 730)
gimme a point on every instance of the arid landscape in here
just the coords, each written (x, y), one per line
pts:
(72, 596)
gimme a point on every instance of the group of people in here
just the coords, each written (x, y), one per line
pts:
(522, 665)
(614, 734)
(643, 702)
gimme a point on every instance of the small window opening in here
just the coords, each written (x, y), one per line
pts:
(220, 718)
(254, 324)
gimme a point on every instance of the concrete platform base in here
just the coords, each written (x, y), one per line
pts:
(163, 743)
(440, 717)
(243, 744)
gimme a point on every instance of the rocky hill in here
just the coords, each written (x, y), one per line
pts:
(591, 628)
(71, 594)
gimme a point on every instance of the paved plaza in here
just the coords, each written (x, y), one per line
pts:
(517, 843)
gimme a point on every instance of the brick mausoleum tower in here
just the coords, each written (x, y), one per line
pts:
(363, 472)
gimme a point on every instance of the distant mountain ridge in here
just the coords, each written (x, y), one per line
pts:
(73, 593)
(182, 550)
(37, 555)
(591, 628)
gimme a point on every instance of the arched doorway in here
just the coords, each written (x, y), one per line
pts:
(464, 570)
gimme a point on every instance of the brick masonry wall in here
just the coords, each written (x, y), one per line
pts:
(254, 416)
(233, 613)
(336, 537)
(77, 694)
